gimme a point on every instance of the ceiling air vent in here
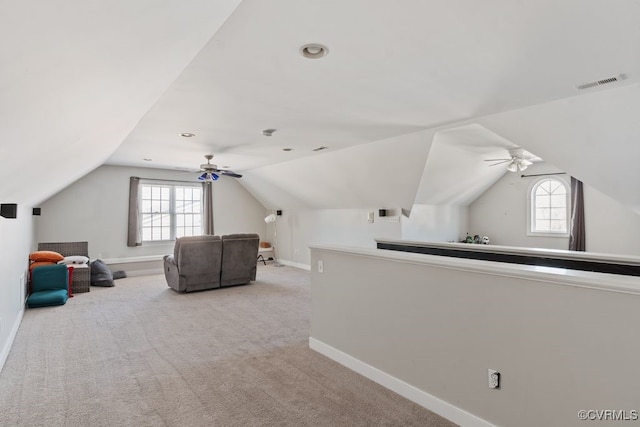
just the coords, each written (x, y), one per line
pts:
(601, 82)
(320, 148)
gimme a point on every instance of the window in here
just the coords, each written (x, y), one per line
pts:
(169, 211)
(549, 207)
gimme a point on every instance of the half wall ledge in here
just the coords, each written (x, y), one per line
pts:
(572, 260)
(553, 275)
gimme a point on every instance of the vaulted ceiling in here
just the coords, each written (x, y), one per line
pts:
(410, 99)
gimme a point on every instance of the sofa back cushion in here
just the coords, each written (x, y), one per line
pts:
(239, 258)
(198, 257)
(206, 242)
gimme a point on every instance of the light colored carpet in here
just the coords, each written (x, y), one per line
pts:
(140, 354)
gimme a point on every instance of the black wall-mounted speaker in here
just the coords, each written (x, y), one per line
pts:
(36, 211)
(278, 212)
(9, 210)
(382, 212)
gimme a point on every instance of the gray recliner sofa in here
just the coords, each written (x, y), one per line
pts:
(195, 263)
(209, 262)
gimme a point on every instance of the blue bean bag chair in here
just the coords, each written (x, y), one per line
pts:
(49, 286)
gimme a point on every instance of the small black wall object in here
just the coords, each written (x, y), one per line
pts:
(278, 212)
(36, 211)
(9, 210)
(382, 212)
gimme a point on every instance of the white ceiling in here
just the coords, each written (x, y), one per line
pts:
(408, 89)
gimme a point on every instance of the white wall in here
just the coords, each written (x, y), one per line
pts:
(430, 327)
(501, 213)
(611, 227)
(297, 229)
(16, 242)
(436, 223)
(94, 209)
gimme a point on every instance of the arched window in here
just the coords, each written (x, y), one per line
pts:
(549, 207)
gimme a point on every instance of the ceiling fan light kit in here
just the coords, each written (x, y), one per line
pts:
(210, 172)
(516, 163)
(512, 167)
(209, 177)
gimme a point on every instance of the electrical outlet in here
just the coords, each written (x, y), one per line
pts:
(494, 379)
(320, 266)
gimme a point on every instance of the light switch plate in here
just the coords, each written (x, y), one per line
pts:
(370, 216)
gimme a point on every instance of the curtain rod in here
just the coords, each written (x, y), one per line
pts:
(167, 180)
(543, 174)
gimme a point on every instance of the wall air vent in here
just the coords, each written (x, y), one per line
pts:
(601, 82)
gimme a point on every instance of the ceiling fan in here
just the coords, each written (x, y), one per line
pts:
(516, 162)
(210, 172)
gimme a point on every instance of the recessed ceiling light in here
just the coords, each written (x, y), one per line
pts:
(187, 135)
(314, 51)
(287, 149)
(268, 132)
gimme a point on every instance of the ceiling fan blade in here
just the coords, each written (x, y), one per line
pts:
(500, 162)
(495, 160)
(231, 173)
(525, 162)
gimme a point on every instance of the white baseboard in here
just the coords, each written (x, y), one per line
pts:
(147, 258)
(295, 264)
(12, 336)
(422, 398)
(147, 272)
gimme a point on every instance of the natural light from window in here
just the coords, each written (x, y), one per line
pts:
(549, 207)
(170, 211)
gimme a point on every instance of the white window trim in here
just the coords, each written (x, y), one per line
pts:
(172, 209)
(529, 225)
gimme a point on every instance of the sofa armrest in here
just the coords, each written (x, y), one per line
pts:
(171, 272)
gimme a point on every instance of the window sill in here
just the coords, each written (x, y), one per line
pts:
(542, 234)
(158, 242)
